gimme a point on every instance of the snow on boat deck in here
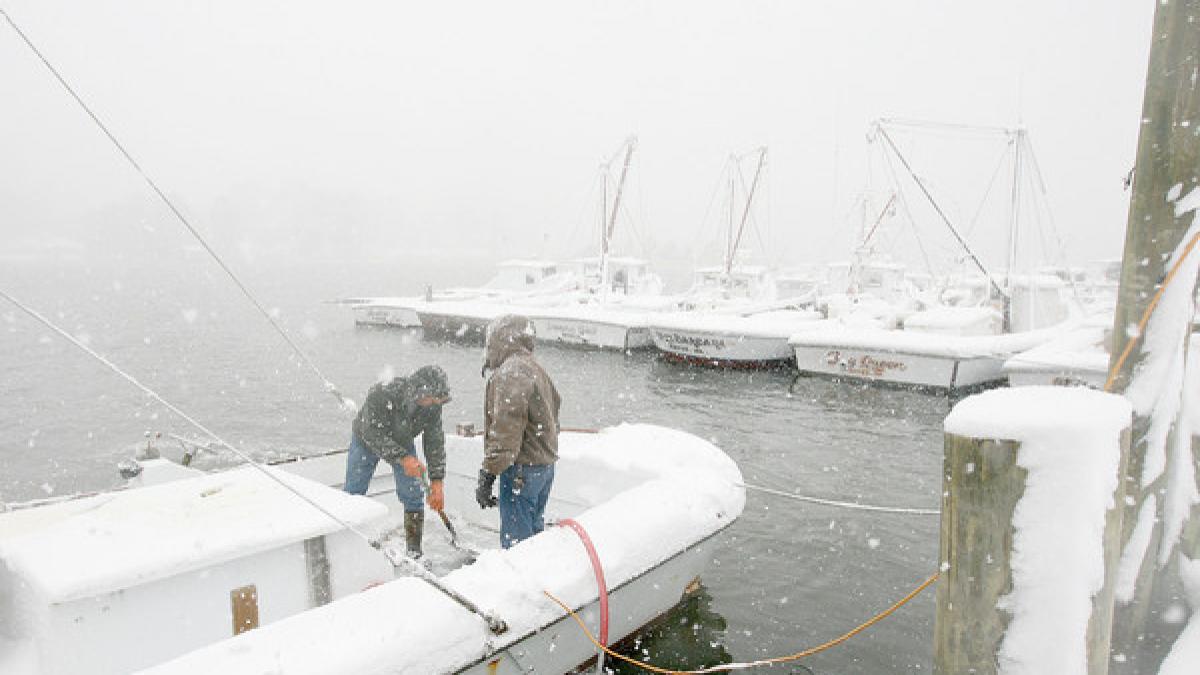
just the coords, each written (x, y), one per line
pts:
(927, 344)
(686, 490)
(775, 324)
(136, 536)
(599, 313)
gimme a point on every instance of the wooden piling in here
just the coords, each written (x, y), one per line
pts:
(981, 485)
(1168, 157)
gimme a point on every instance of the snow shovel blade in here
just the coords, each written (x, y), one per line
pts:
(470, 554)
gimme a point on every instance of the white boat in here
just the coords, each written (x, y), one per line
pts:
(514, 278)
(466, 321)
(1078, 358)
(390, 312)
(985, 321)
(730, 340)
(912, 358)
(227, 572)
(619, 291)
(604, 326)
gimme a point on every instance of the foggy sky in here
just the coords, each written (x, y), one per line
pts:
(366, 130)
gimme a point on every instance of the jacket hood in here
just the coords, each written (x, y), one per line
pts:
(399, 389)
(506, 336)
(429, 381)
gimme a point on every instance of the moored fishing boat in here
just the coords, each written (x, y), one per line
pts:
(514, 278)
(731, 340)
(604, 326)
(912, 358)
(1079, 357)
(944, 348)
(160, 570)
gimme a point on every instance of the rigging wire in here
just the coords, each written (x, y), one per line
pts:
(1000, 162)
(346, 403)
(495, 624)
(1040, 183)
(912, 222)
(883, 132)
(946, 127)
(718, 187)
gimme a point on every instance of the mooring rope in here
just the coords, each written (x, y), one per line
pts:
(728, 667)
(495, 624)
(346, 403)
(1141, 327)
(842, 505)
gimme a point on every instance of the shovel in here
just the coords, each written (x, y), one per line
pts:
(470, 554)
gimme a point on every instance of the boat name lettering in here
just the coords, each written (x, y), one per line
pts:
(569, 330)
(864, 364)
(691, 343)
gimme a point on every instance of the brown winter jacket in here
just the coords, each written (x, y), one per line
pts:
(520, 404)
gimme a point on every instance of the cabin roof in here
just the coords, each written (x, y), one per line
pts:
(122, 539)
(535, 264)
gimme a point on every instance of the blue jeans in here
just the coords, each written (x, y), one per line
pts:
(360, 467)
(521, 512)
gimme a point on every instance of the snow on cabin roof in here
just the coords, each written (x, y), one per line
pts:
(126, 538)
(926, 344)
(537, 264)
(625, 261)
(738, 270)
(1028, 280)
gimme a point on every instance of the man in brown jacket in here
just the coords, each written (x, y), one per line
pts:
(520, 441)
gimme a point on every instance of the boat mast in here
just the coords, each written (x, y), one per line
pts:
(1014, 216)
(762, 160)
(610, 226)
(733, 164)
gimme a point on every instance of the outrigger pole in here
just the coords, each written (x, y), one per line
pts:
(879, 126)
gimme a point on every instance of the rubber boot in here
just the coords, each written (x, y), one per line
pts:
(414, 525)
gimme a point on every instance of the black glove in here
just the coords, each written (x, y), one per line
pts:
(483, 489)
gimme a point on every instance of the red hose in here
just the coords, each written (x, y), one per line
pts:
(601, 587)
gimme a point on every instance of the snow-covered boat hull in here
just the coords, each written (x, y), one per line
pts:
(912, 358)
(654, 526)
(578, 332)
(465, 321)
(722, 351)
(730, 341)
(395, 314)
(883, 366)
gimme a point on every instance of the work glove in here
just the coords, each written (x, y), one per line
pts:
(437, 497)
(483, 489)
(412, 466)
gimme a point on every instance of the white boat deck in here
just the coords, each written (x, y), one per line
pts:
(160, 566)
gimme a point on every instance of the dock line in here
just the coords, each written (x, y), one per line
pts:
(843, 505)
(729, 667)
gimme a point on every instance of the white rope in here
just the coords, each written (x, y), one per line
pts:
(346, 403)
(844, 505)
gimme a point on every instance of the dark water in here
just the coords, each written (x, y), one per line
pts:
(788, 576)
